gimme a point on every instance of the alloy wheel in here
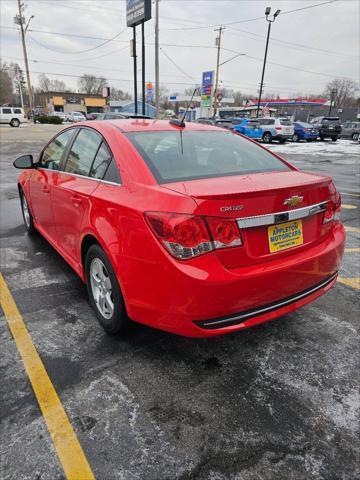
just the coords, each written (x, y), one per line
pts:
(26, 211)
(101, 288)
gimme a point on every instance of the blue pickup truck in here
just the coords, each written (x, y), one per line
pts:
(250, 128)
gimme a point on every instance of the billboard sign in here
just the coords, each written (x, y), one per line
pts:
(137, 11)
(207, 88)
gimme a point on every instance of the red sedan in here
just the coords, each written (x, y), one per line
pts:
(195, 230)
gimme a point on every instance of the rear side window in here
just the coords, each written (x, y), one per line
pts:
(112, 173)
(267, 121)
(101, 162)
(17, 110)
(53, 153)
(83, 152)
(189, 155)
(6, 110)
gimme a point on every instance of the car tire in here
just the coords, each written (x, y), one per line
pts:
(267, 137)
(26, 213)
(322, 138)
(355, 136)
(295, 138)
(104, 291)
(333, 139)
(15, 122)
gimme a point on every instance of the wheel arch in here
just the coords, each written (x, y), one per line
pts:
(87, 241)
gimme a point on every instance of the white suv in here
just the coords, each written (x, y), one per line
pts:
(281, 129)
(13, 116)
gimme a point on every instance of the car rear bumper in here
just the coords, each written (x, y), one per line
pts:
(202, 298)
(330, 133)
(283, 136)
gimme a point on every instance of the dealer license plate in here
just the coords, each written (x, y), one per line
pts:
(285, 235)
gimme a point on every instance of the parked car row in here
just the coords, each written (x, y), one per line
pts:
(282, 129)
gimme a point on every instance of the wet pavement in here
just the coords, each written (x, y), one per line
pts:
(279, 401)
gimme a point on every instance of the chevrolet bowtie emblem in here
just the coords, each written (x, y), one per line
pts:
(293, 201)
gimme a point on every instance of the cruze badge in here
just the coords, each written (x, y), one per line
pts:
(232, 208)
(293, 201)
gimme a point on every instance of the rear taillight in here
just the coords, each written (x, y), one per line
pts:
(278, 128)
(333, 209)
(224, 232)
(187, 236)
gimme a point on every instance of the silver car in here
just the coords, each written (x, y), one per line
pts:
(350, 130)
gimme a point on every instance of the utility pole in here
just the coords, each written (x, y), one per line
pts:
(23, 30)
(157, 76)
(270, 21)
(218, 44)
(332, 100)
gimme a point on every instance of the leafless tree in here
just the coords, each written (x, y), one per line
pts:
(6, 87)
(346, 92)
(118, 94)
(48, 85)
(90, 84)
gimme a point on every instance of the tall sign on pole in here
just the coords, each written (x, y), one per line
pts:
(207, 88)
(138, 12)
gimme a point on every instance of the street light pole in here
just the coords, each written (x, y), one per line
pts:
(23, 32)
(270, 21)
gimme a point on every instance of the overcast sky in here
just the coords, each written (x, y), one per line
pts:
(323, 40)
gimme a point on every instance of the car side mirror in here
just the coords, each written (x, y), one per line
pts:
(25, 161)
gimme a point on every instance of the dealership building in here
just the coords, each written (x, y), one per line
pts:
(70, 102)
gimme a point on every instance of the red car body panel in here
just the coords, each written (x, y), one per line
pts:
(176, 295)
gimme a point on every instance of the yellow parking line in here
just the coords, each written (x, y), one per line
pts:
(350, 282)
(352, 229)
(347, 206)
(71, 455)
(352, 250)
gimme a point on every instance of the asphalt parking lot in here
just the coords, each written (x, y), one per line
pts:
(279, 401)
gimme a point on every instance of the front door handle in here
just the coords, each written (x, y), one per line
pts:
(46, 189)
(76, 200)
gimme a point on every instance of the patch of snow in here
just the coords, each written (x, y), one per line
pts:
(327, 148)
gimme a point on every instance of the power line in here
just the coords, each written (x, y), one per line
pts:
(177, 66)
(292, 45)
(286, 43)
(80, 51)
(286, 12)
(224, 84)
(291, 67)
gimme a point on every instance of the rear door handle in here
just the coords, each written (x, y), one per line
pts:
(46, 189)
(76, 200)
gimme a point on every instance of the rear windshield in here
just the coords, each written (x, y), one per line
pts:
(331, 120)
(187, 155)
(284, 121)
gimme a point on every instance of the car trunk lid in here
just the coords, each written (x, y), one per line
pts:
(275, 199)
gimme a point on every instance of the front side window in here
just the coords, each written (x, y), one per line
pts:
(83, 152)
(6, 110)
(53, 153)
(189, 155)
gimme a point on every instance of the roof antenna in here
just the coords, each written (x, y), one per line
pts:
(181, 123)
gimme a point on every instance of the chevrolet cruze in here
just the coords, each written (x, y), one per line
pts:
(191, 229)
